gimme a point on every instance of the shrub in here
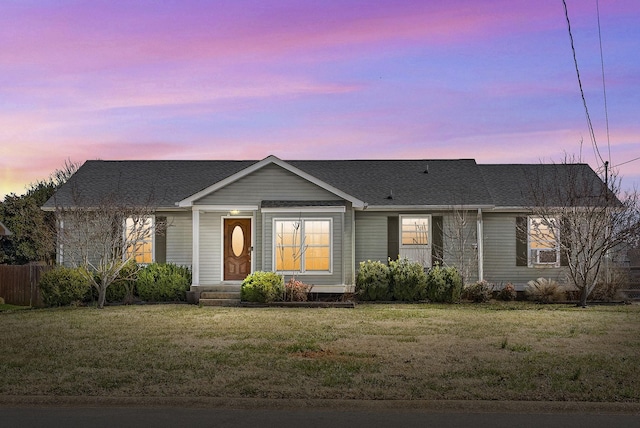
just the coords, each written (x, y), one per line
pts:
(63, 286)
(544, 290)
(407, 280)
(372, 282)
(479, 292)
(123, 288)
(613, 280)
(508, 293)
(262, 287)
(296, 291)
(443, 284)
(163, 282)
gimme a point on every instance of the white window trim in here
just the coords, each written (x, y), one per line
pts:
(301, 271)
(410, 251)
(536, 262)
(429, 232)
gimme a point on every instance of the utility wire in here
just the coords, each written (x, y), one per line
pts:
(584, 100)
(629, 161)
(604, 86)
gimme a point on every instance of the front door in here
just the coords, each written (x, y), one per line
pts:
(237, 248)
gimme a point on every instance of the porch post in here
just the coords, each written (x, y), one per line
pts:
(480, 241)
(195, 256)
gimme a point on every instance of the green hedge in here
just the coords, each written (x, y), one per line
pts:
(407, 280)
(262, 287)
(163, 282)
(372, 282)
(63, 286)
(123, 289)
(444, 285)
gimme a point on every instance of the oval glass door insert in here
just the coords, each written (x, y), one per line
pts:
(237, 241)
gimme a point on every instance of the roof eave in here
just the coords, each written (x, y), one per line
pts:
(427, 207)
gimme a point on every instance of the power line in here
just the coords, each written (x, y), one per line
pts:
(629, 161)
(584, 100)
(604, 86)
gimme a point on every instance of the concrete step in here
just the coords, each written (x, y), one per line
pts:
(219, 302)
(220, 295)
(219, 288)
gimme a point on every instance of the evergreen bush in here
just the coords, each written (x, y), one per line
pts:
(262, 287)
(407, 280)
(163, 282)
(443, 284)
(123, 289)
(63, 286)
(372, 282)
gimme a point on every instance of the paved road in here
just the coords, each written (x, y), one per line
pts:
(164, 417)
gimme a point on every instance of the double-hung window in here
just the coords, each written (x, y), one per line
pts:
(302, 246)
(415, 238)
(139, 234)
(543, 242)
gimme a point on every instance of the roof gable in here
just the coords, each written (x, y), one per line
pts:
(270, 160)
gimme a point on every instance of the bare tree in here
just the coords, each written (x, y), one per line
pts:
(459, 233)
(590, 221)
(103, 236)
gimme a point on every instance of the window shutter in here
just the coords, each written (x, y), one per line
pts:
(393, 238)
(521, 241)
(160, 242)
(437, 255)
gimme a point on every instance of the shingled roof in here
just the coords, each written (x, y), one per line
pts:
(380, 183)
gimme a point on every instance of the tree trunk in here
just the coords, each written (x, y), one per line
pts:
(102, 296)
(584, 293)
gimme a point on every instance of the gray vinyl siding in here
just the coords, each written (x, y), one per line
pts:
(347, 259)
(459, 236)
(74, 246)
(371, 236)
(269, 183)
(338, 246)
(500, 254)
(179, 238)
(210, 248)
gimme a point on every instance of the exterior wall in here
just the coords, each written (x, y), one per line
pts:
(69, 250)
(500, 254)
(269, 183)
(210, 247)
(371, 236)
(179, 238)
(460, 231)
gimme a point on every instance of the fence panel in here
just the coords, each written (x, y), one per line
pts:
(19, 284)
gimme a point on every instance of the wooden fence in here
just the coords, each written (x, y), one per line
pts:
(19, 284)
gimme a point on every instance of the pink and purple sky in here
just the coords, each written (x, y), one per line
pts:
(331, 79)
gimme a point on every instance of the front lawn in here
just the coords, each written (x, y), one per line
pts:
(498, 351)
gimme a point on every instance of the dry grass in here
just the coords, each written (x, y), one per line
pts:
(511, 351)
